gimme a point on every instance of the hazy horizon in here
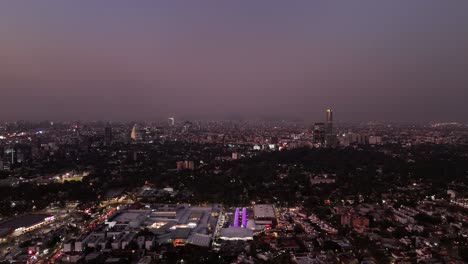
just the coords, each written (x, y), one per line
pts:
(398, 61)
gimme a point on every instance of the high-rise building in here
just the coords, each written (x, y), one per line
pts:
(171, 121)
(77, 128)
(375, 140)
(329, 121)
(319, 133)
(108, 135)
(330, 138)
(133, 135)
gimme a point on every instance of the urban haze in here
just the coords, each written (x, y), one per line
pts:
(234, 132)
(81, 60)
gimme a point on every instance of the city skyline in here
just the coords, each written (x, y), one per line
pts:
(215, 132)
(396, 62)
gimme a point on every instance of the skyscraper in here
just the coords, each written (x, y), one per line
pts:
(329, 122)
(330, 138)
(133, 134)
(171, 121)
(319, 133)
(108, 135)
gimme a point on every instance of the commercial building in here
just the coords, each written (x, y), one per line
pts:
(26, 223)
(184, 224)
(187, 164)
(318, 133)
(236, 233)
(264, 217)
(177, 224)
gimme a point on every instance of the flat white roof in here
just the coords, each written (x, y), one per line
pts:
(236, 232)
(264, 211)
(199, 240)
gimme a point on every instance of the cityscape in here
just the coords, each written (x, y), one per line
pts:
(234, 132)
(231, 191)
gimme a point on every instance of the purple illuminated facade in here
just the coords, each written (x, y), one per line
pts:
(244, 217)
(236, 218)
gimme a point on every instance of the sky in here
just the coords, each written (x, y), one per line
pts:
(368, 60)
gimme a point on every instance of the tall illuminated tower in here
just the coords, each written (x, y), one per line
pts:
(330, 138)
(133, 134)
(329, 122)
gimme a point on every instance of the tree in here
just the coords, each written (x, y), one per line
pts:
(53, 242)
(463, 253)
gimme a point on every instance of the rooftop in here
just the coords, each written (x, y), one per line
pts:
(181, 233)
(264, 211)
(236, 233)
(24, 221)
